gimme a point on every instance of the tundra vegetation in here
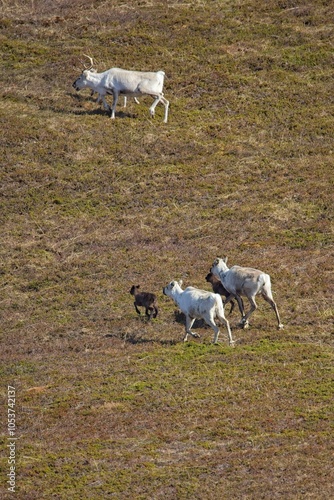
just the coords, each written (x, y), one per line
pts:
(108, 404)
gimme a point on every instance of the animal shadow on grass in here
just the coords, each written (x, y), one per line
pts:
(132, 338)
(179, 317)
(96, 111)
(83, 112)
(198, 324)
(138, 338)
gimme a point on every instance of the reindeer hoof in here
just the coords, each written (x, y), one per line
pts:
(280, 326)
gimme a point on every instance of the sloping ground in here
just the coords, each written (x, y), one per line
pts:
(106, 404)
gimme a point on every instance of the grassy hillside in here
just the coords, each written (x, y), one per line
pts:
(107, 404)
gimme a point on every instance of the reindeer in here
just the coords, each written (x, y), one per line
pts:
(145, 299)
(245, 281)
(118, 81)
(195, 303)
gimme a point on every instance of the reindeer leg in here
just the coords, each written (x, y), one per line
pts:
(115, 99)
(137, 310)
(216, 330)
(253, 307)
(240, 304)
(229, 333)
(189, 324)
(274, 306)
(164, 101)
(152, 108)
(105, 104)
(150, 312)
(166, 104)
(232, 307)
(225, 322)
(226, 302)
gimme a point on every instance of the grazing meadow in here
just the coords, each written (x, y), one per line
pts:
(101, 402)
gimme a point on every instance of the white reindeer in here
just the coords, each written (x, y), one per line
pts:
(200, 304)
(245, 281)
(118, 81)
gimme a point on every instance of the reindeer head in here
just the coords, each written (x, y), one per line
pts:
(81, 82)
(172, 288)
(219, 265)
(134, 289)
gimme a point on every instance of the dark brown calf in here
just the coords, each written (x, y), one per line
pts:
(145, 299)
(218, 287)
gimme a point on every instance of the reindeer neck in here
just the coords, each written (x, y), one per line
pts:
(178, 294)
(93, 79)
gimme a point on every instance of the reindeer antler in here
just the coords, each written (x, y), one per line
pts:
(91, 62)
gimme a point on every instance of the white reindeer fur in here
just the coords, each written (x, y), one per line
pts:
(118, 81)
(245, 281)
(200, 304)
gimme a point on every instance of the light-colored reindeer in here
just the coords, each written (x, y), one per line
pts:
(245, 281)
(117, 81)
(200, 304)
